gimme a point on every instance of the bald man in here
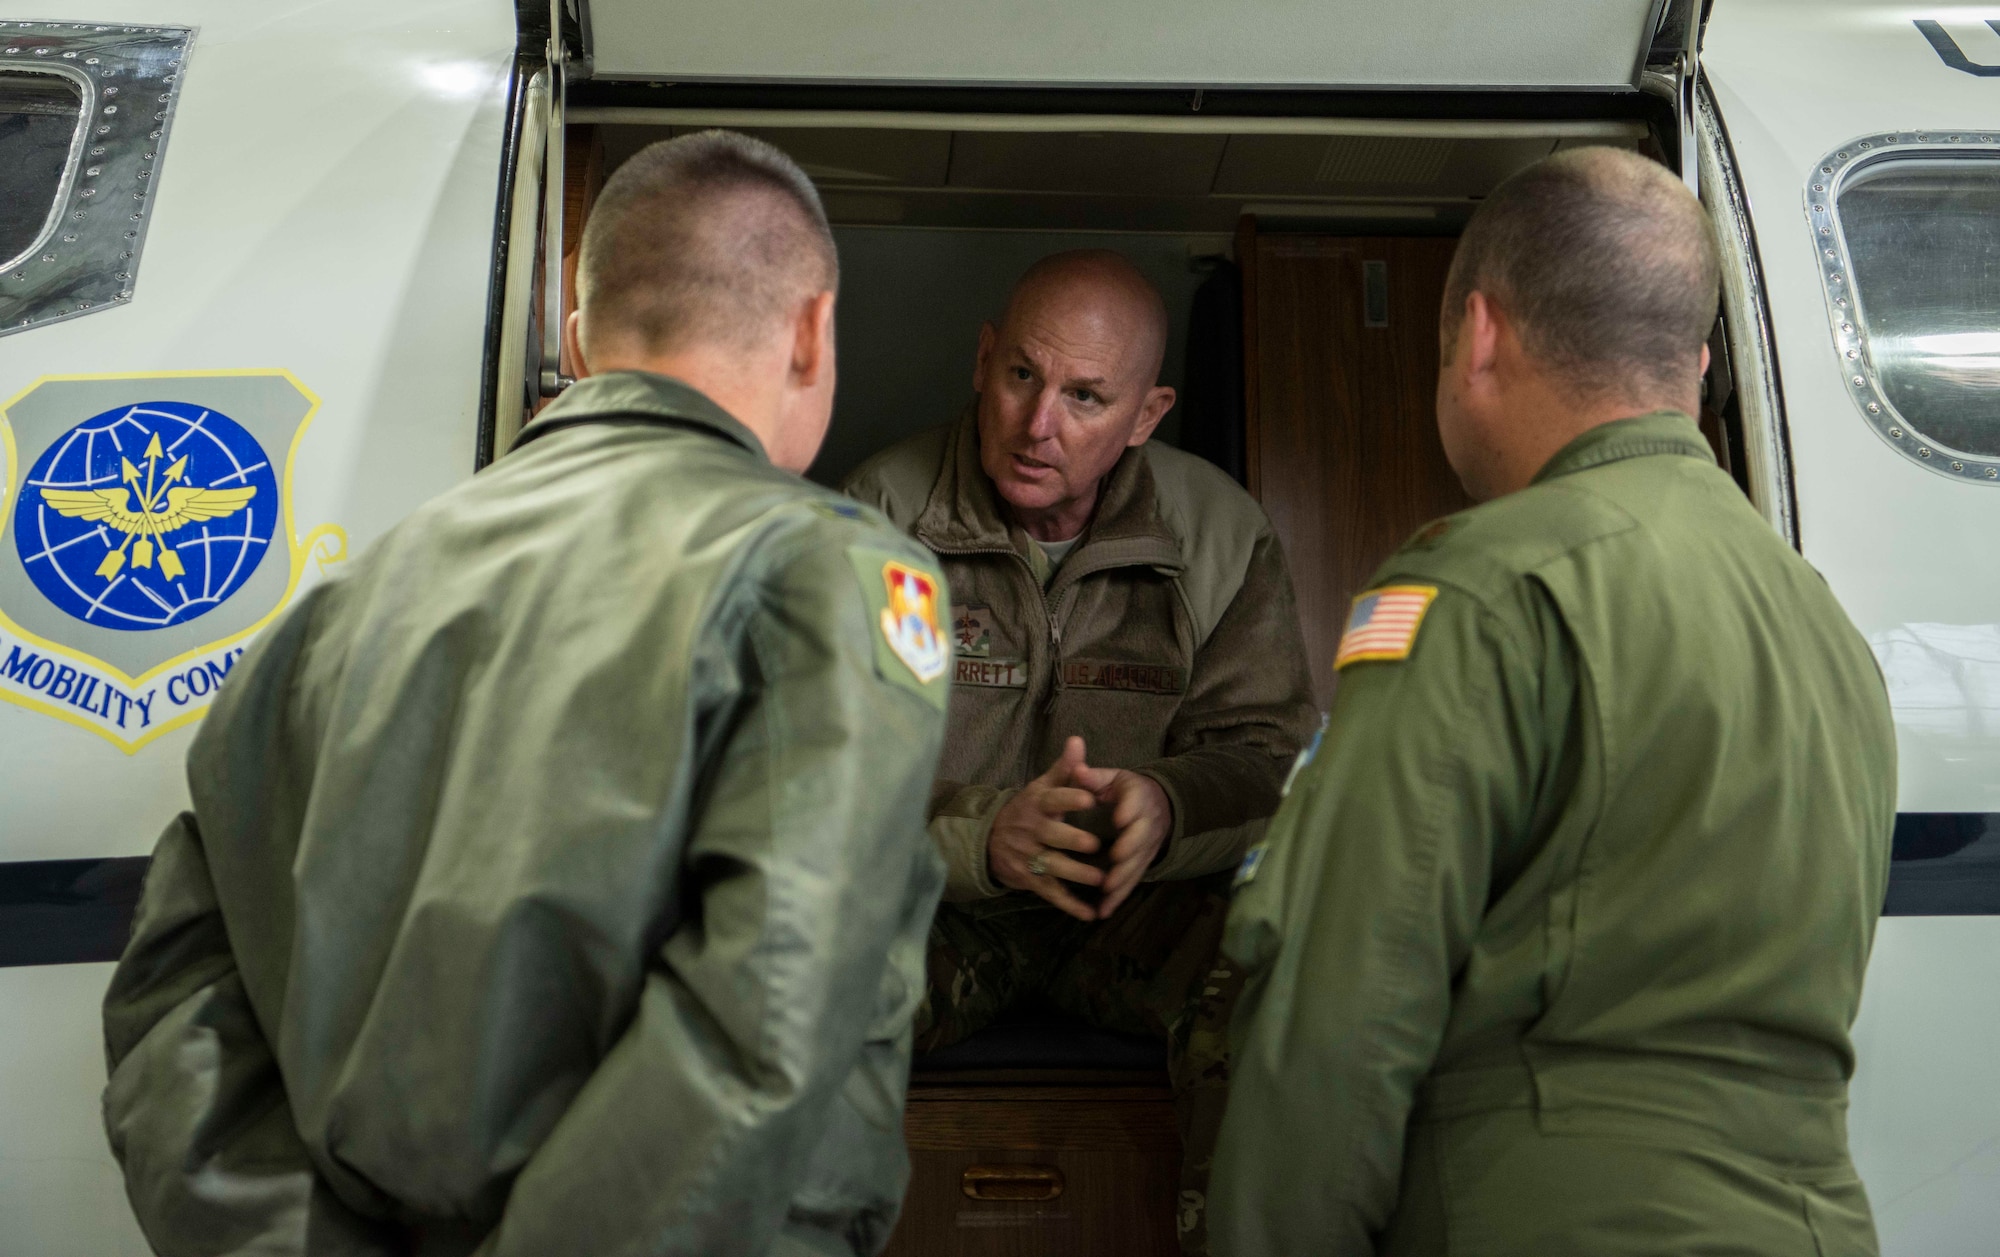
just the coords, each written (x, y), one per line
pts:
(1555, 944)
(1129, 688)
(556, 879)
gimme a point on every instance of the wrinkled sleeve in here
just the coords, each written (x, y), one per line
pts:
(697, 1130)
(1248, 710)
(961, 821)
(195, 1109)
(1359, 917)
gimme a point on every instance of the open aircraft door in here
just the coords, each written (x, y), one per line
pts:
(1178, 44)
(1866, 145)
(243, 318)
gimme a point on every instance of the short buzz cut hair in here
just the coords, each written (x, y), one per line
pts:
(710, 238)
(1604, 261)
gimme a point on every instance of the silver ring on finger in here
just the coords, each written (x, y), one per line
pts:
(1039, 866)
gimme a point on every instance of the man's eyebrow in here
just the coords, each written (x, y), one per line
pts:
(1093, 382)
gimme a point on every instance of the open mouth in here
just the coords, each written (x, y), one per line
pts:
(1031, 468)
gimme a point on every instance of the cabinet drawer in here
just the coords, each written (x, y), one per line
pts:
(1009, 1171)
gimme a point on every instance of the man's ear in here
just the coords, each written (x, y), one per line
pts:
(988, 337)
(1481, 330)
(1704, 361)
(1159, 400)
(812, 340)
(572, 340)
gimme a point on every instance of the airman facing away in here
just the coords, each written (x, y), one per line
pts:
(1556, 941)
(556, 880)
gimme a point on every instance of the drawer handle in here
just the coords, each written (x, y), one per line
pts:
(1012, 1182)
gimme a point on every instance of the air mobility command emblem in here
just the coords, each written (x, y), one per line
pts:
(145, 536)
(1383, 624)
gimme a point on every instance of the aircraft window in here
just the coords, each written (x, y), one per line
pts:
(1908, 229)
(38, 137)
(85, 111)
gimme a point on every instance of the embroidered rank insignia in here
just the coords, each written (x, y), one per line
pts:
(910, 621)
(1383, 624)
(972, 631)
(1432, 534)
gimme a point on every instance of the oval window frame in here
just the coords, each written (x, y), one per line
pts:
(86, 106)
(1860, 379)
(90, 261)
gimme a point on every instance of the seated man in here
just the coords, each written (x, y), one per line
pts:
(1125, 628)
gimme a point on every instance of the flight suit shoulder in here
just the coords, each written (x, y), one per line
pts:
(839, 556)
(898, 480)
(1215, 522)
(1488, 550)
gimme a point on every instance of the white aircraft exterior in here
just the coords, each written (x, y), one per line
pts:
(289, 283)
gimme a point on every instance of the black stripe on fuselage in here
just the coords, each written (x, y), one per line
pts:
(61, 912)
(65, 912)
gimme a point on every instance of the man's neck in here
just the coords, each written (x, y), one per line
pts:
(722, 376)
(1064, 521)
(1557, 423)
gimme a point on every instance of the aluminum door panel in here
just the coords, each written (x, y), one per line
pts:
(1349, 43)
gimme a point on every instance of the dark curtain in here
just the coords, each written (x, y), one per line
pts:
(1212, 401)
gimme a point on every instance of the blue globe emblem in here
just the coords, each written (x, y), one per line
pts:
(146, 516)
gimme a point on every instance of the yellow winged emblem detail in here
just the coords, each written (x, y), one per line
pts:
(114, 507)
(161, 510)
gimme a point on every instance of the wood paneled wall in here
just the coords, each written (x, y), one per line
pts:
(1342, 440)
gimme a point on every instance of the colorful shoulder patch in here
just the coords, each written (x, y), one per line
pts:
(1383, 624)
(908, 605)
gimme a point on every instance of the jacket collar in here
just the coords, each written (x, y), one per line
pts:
(963, 513)
(1660, 432)
(640, 396)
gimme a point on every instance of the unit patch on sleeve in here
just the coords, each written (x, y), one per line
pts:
(1383, 624)
(907, 608)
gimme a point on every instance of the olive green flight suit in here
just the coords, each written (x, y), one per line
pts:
(1555, 944)
(556, 880)
(1168, 639)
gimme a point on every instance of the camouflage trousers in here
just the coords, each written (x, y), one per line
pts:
(1153, 969)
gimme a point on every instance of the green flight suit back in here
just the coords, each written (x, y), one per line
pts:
(556, 880)
(1556, 942)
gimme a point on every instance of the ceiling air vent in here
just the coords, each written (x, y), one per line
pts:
(1370, 159)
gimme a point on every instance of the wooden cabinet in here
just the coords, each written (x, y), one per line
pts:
(1058, 1167)
(1341, 349)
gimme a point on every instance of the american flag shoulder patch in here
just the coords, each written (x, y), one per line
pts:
(1383, 624)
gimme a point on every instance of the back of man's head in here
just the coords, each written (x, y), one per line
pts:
(1606, 265)
(708, 239)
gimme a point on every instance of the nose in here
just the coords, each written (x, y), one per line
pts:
(1046, 420)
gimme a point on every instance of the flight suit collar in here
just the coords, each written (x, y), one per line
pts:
(1660, 432)
(643, 397)
(963, 513)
